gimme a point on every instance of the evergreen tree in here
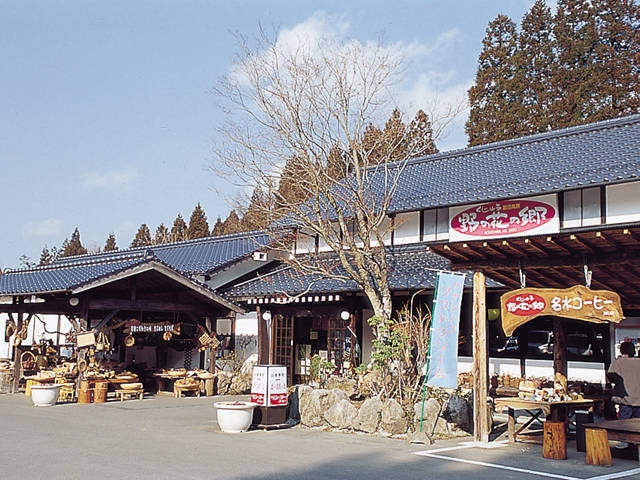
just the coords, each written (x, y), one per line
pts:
(198, 225)
(162, 235)
(258, 214)
(110, 244)
(395, 138)
(218, 228)
(420, 136)
(73, 246)
(231, 224)
(577, 78)
(179, 229)
(536, 63)
(142, 238)
(617, 56)
(45, 257)
(496, 97)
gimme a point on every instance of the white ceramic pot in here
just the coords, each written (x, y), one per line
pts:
(234, 417)
(45, 395)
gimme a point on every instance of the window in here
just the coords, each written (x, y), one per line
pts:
(582, 207)
(435, 224)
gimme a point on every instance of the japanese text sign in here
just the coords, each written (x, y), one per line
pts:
(504, 218)
(578, 302)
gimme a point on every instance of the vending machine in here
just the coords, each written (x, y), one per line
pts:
(269, 391)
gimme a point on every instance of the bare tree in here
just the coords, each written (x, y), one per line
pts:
(307, 105)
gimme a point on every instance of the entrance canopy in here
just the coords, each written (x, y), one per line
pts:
(607, 256)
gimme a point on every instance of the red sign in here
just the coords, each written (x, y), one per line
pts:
(503, 218)
(525, 304)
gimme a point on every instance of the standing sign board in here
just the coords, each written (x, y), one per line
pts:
(269, 385)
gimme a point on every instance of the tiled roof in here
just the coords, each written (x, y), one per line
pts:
(192, 257)
(63, 278)
(188, 258)
(595, 154)
(410, 268)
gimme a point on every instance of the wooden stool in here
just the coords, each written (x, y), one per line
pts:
(597, 446)
(554, 443)
(191, 387)
(131, 393)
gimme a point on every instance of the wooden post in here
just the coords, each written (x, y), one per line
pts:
(263, 339)
(481, 427)
(554, 443)
(597, 446)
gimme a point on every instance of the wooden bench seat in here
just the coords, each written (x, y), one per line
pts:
(597, 436)
(180, 389)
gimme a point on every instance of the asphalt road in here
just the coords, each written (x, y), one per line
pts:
(169, 438)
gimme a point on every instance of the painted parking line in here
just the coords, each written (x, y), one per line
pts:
(437, 454)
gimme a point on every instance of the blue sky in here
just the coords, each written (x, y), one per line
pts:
(107, 119)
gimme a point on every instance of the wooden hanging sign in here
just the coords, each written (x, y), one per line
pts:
(577, 302)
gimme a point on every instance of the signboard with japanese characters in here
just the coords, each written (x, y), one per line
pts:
(578, 302)
(504, 218)
(269, 385)
(277, 387)
(259, 385)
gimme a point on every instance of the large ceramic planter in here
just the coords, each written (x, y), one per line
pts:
(234, 417)
(45, 395)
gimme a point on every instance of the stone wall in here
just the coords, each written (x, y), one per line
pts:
(338, 409)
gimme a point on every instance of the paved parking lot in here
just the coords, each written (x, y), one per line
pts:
(169, 438)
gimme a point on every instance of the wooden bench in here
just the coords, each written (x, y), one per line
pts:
(139, 392)
(597, 436)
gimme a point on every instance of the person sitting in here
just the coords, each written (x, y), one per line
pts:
(624, 374)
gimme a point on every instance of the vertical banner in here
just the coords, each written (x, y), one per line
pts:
(443, 362)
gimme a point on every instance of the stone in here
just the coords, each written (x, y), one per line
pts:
(429, 416)
(459, 413)
(347, 385)
(393, 420)
(224, 383)
(368, 418)
(312, 407)
(240, 384)
(341, 415)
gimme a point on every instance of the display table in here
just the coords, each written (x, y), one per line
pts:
(554, 411)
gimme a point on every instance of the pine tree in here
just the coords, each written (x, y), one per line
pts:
(142, 238)
(617, 56)
(420, 136)
(198, 225)
(162, 235)
(495, 98)
(218, 228)
(231, 223)
(258, 214)
(577, 77)
(73, 246)
(45, 257)
(178, 230)
(536, 63)
(110, 244)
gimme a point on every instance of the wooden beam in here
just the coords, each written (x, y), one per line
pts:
(481, 426)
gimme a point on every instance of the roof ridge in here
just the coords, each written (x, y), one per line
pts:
(78, 261)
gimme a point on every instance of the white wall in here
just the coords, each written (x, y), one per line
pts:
(623, 203)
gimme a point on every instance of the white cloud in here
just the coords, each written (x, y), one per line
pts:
(44, 228)
(109, 180)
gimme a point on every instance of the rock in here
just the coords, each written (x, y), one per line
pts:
(347, 385)
(341, 414)
(459, 413)
(249, 363)
(429, 416)
(393, 420)
(369, 415)
(312, 407)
